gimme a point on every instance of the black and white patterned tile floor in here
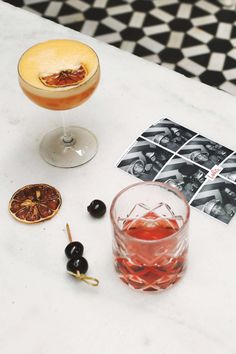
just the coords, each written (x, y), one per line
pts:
(194, 37)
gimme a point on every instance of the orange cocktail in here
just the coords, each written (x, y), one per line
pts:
(59, 75)
(75, 67)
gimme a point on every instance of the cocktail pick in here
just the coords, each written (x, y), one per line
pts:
(77, 265)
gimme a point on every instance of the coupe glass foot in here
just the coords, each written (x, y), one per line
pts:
(78, 150)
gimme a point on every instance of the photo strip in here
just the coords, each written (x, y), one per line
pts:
(229, 168)
(218, 199)
(144, 160)
(203, 170)
(205, 152)
(168, 134)
(183, 175)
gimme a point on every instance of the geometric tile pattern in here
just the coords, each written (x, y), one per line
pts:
(194, 37)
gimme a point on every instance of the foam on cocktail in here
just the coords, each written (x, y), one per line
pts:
(53, 57)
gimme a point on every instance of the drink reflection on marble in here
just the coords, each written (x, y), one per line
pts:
(60, 75)
(150, 243)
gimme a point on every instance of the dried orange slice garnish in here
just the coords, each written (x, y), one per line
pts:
(35, 203)
(63, 78)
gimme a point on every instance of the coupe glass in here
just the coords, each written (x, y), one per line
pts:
(65, 146)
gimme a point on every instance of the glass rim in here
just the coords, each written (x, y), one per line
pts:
(162, 185)
(66, 90)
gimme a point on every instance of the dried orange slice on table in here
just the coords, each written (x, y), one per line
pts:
(63, 78)
(35, 203)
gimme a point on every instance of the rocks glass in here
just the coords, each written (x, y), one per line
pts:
(150, 244)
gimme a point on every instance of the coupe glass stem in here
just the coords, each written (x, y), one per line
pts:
(67, 137)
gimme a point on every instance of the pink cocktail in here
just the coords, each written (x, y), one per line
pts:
(150, 237)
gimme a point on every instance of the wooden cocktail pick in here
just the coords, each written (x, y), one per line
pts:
(77, 265)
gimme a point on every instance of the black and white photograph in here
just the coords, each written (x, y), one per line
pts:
(205, 152)
(183, 175)
(168, 134)
(144, 160)
(229, 168)
(186, 167)
(218, 199)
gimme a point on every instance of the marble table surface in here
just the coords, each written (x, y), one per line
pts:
(42, 309)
